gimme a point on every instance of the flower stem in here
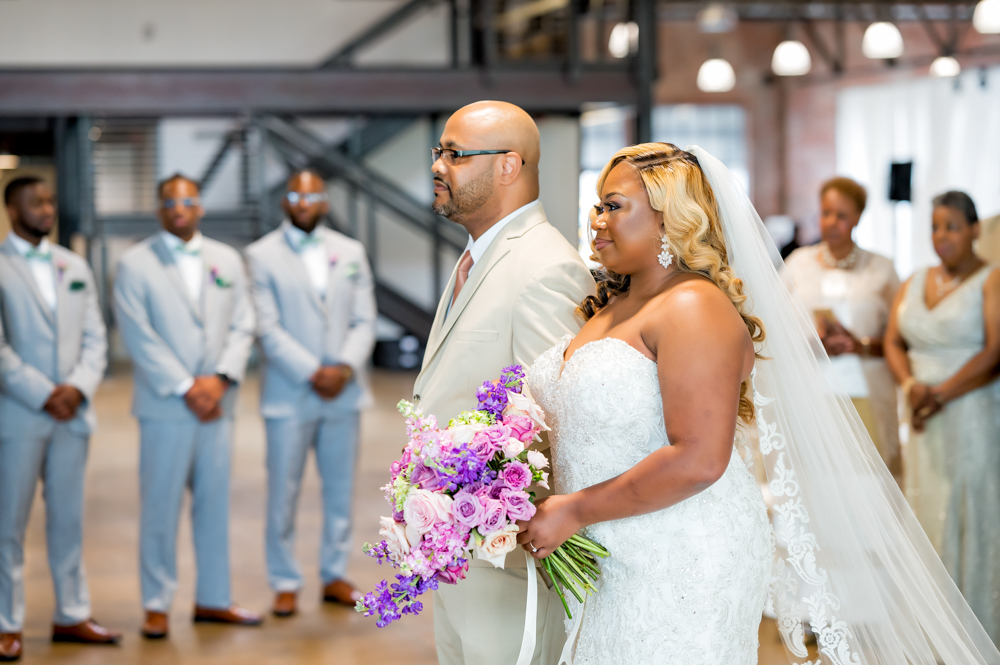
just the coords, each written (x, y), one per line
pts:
(555, 583)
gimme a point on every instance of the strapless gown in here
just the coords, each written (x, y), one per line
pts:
(685, 585)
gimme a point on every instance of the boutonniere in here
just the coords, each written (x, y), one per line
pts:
(218, 279)
(333, 261)
(77, 285)
(60, 271)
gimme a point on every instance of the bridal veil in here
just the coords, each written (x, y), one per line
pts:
(852, 557)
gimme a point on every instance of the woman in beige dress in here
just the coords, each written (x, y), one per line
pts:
(850, 293)
(943, 345)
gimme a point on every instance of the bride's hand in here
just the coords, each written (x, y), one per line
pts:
(554, 522)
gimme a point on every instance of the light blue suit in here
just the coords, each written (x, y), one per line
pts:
(172, 339)
(299, 332)
(39, 349)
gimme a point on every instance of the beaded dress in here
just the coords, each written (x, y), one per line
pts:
(685, 585)
(952, 468)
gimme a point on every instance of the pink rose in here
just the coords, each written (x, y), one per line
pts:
(517, 475)
(518, 505)
(494, 517)
(537, 459)
(495, 490)
(498, 434)
(425, 478)
(423, 509)
(495, 546)
(467, 509)
(453, 574)
(521, 428)
(482, 446)
(519, 404)
(512, 448)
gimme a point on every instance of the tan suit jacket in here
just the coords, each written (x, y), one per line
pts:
(520, 298)
(988, 247)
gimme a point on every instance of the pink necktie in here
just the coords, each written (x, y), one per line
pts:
(464, 266)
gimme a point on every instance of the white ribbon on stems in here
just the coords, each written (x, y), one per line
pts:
(530, 614)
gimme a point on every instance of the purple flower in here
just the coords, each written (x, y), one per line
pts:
(483, 447)
(498, 434)
(517, 475)
(496, 489)
(492, 398)
(522, 428)
(494, 517)
(467, 509)
(511, 377)
(518, 505)
(425, 478)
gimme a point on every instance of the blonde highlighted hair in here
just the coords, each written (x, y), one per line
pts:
(678, 189)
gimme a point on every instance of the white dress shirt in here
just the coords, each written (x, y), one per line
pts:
(312, 253)
(187, 256)
(41, 268)
(477, 248)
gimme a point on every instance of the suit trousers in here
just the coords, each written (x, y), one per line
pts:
(179, 454)
(335, 442)
(58, 456)
(474, 623)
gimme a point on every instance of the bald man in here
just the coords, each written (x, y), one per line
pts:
(511, 297)
(316, 324)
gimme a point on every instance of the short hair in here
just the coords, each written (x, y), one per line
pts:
(961, 202)
(15, 186)
(298, 172)
(176, 176)
(849, 188)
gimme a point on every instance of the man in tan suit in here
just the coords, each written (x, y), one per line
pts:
(988, 246)
(512, 296)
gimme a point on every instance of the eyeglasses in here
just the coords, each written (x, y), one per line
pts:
(311, 198)
(449, 156)
(189, 202)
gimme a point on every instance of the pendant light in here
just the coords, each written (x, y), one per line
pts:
(716, 75)
(882, 41)
(986, 18)
(717, 18)
(624, 40)
(791, 58)
(945, 67)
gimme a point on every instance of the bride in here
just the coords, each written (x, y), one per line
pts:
(691, 338)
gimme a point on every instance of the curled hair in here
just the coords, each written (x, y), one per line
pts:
(849, 188)
(959, 201)
(678, 190)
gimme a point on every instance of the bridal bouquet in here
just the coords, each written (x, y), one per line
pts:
(460, 489)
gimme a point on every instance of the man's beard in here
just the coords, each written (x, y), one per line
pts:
(468, 199)
(33, 230)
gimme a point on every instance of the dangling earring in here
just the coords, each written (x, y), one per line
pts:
(665, 257)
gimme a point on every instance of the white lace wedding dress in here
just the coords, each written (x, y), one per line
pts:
(685, 585)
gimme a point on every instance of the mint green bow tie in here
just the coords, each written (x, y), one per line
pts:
(37, 255)
(181, 249)
(307, 240)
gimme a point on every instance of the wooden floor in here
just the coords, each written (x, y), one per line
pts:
(319, 634)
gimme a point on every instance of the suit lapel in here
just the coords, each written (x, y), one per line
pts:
(174, 275)
(435, 337)
(62, 295)
(21, 265)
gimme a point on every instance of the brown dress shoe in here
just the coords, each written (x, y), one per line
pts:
(10, 647)
(88, 632)
(341, 591)
(234, 614)
(156, 626)
(285, 604)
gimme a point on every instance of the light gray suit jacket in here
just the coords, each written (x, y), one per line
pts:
(40, 349)
(299, 331)
(170, 337)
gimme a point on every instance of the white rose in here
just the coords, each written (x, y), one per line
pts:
(512, 448)
(527, 406)
(495, 546)
(463, 433)
(537, 459)
(544, 482)
(394, 535)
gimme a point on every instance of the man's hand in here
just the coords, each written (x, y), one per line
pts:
(329, 380)
(204, 396)
(837, 340)
(64, 402)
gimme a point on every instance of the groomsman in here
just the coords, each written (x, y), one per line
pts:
(184, 311)
(316, 322)
(53, 351)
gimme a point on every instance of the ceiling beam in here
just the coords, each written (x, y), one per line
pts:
(147, 92)
(379, 29)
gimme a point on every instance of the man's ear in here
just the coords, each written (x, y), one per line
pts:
(512, 164)
(12, 214)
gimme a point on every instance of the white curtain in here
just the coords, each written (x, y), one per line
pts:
(948, 128)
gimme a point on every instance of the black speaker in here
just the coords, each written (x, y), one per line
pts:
(900, 176)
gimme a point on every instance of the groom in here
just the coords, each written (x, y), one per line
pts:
(511, 297)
